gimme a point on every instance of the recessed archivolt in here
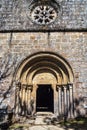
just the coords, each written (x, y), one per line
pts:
(42, 65)
(42, 71)
(46, 77)
(57, 65)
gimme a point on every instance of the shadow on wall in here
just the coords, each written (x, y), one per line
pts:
(79, 123)
(24, 109)
(79, 110)
(80, 106)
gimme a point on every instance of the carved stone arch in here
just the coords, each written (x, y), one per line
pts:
(50, 72)
(41, 57)
(40, 65)
(43, 70)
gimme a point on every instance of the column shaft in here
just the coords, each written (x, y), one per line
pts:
(59, 100)
(62, 96)
(68, 100)
(65, 100)
(71, 101)
(26, 100)
(29, 99)
(20, 101)
(23, 99)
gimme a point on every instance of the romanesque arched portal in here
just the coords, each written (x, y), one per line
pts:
(44, 77)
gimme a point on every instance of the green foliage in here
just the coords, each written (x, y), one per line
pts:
(78, 123)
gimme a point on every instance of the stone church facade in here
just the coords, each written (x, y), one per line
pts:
(43, 57)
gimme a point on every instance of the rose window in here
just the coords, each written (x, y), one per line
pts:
(44, 14)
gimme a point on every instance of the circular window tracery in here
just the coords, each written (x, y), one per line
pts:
(44, 14)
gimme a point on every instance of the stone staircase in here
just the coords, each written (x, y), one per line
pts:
(40, 118)
(44, 118)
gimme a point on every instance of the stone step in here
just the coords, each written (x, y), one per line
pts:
(43, 117)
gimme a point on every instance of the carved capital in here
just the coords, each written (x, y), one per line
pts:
(70, 86)
(58, 87)
(24, 86)
(30, 87)
(65, 87)
(17, 89)
(18, 85)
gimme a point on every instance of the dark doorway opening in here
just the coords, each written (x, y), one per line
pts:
(44, 99)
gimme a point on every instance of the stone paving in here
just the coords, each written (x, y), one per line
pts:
(42, 121)
(40, 124)
(42, 127)
(48, 127)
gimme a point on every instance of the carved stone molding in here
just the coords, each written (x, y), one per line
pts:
(30, 87)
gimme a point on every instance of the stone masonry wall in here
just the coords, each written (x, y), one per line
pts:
(71, 46)
(14, 15)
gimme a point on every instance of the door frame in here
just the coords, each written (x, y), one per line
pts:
(38, 85)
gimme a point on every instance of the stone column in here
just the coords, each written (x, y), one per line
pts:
(71, 100)
(23, 99)
(68, 101)
(26, 100)
(20, 101)
(18, 87)
(65, 101)
(62, 100)
(29, 90)
(59, 99)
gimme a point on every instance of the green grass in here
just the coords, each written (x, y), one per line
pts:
(76, 124)
(18, 125)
